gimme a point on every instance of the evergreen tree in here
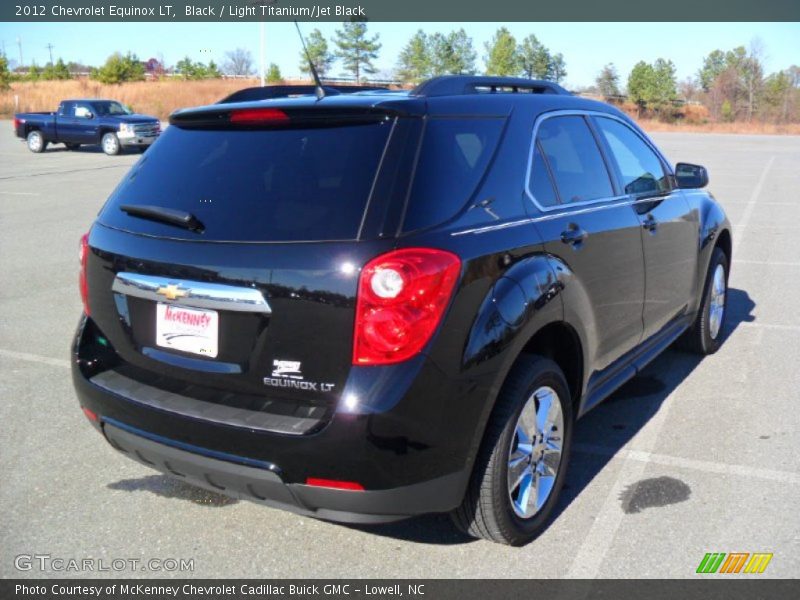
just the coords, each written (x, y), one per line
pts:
(416, 60)
(501, 54)
(56, 71)
(535, 59)
(5, 75)
(319, 53)
(119, 68)
(274, 74)
(356, 50)
(558, 68)
(452, 54)
(641, 84)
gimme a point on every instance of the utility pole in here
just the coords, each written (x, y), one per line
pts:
(50, 48)
(19, 43)
(261, 53)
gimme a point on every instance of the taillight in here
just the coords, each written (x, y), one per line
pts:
(402, 296)
(83, 285)
(352, 486)
(259, 115)
(16, 123)
(90, 414)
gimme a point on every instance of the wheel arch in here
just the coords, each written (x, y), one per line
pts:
(559, 341)
(725, 243)
(104, 129)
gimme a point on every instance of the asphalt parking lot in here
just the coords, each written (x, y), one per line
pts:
(690, 457)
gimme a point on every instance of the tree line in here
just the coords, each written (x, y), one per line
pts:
(730, 84)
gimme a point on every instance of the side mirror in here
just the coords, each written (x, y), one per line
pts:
(690, 176)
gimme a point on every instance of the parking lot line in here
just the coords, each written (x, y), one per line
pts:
(776, 263)
(45, 360)
(740, 227)
(589, 558)
(706, 466)
(20, 193)
(67, 172)
(777, 326)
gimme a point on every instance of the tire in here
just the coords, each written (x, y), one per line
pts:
(36, 142)
(493, 507)
(110, 144)
(72, 146)
(704, 336)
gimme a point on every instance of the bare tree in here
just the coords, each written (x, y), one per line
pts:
(753, 74)
(238, 62)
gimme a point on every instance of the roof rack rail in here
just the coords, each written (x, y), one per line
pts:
(459, 85)
(285, 91)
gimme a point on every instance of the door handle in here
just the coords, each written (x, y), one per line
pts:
(574, 235)
(650, 223)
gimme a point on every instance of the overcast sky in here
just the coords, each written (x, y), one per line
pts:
(586, 46)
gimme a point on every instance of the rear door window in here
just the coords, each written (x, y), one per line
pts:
(281, 185)
(540, 184)
(454, 156)
(574, 158)
(639, 166)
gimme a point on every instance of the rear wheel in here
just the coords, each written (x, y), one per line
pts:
(36, 141)
(521, 466)
(110, 143)
(705, 335)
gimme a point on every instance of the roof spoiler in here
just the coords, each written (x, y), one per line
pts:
(460, 85)
(286, 91)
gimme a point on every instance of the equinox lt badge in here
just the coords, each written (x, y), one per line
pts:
(287, 374)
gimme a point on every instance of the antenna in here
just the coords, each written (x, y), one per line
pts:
(50, 48)
(319, 91)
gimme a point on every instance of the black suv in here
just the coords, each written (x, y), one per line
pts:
(367, 306)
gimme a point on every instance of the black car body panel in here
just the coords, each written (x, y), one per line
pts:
(602, 286)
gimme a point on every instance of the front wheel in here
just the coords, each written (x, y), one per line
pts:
(110, 143)
(521, 465)
(36, 141)
(705, 335)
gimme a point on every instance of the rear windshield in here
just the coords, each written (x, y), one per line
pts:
(255, 185)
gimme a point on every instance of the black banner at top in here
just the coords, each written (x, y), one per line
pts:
(399, 10)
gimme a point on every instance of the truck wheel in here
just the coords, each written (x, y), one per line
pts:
(72, 146)
(705, 335)
(521, 465)
(110, 143)
(36, 141)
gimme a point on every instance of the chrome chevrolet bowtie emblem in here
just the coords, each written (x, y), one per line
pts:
(171, 291)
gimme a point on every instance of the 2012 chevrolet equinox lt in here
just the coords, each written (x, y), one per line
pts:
(374, 305)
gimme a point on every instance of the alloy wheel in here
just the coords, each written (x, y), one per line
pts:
(535, 453)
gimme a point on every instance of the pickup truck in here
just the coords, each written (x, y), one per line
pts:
(88, 122)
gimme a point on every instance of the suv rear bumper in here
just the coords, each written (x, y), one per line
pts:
(412, 458)
(264, 484)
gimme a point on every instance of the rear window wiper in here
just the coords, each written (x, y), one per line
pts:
(170, 216)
